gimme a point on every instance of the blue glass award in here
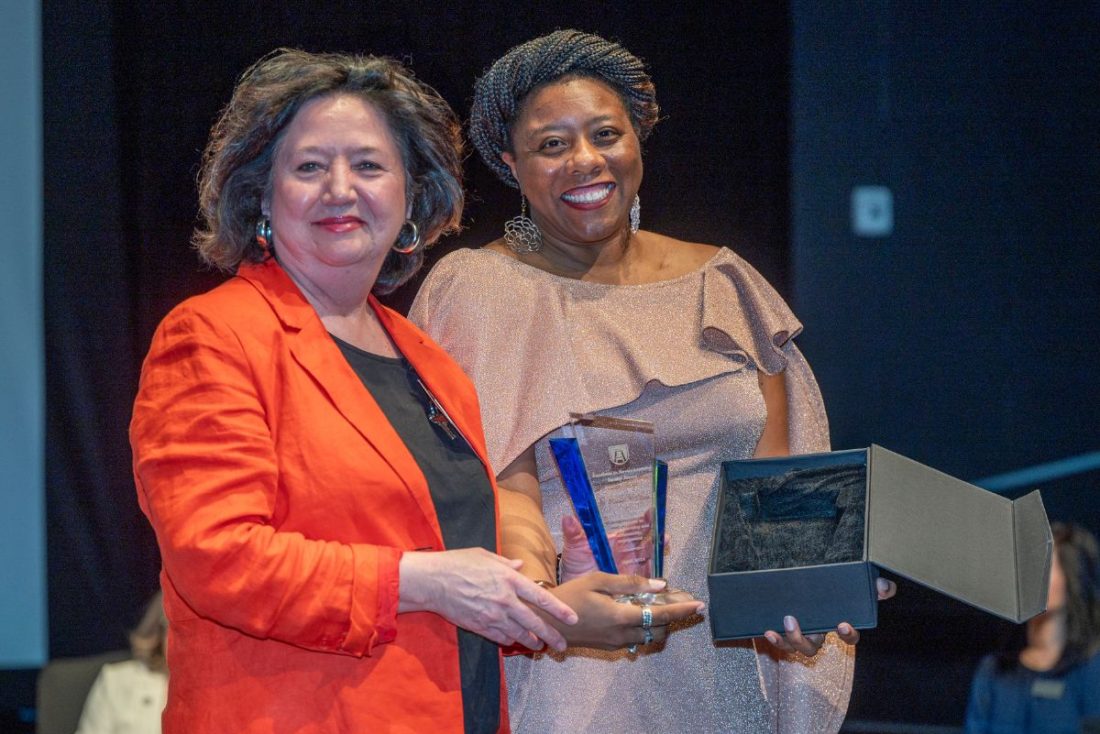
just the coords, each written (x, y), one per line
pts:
(618, 488)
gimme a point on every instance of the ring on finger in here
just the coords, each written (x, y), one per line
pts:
(633, 649)
(648, 636)
(647, 617)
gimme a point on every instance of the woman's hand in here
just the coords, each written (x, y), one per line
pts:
(631, 545)
(794, 641)
(607, 624)
(576, 555)
(484, 593)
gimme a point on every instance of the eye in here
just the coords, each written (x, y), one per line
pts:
(607, 135)
(552, 145)
(308, 167)
(367, 166)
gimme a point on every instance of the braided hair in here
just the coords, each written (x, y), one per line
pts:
(500, 93)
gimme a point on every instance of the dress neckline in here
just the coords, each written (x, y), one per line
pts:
(722, 253)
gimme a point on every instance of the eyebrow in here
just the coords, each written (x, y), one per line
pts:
(320, 149)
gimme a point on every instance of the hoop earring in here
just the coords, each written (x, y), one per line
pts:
(521, 234)
(414, 237)
(263, 234)
(635, 215)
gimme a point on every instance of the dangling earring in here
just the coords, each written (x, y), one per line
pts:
(520, 233)
(635, 215)
(263, 234)
(413, 239)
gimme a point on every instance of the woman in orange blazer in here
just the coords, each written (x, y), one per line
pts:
(307, 581)
(313, 465)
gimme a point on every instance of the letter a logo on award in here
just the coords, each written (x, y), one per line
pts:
(619, 454)
(618, 488)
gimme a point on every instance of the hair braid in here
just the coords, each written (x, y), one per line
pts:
(499, 94)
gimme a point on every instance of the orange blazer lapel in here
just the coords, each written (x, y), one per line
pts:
(315, 351)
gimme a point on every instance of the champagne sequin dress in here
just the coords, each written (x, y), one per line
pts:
(682, 353)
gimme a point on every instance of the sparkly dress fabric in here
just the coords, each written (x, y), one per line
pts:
(684, 354)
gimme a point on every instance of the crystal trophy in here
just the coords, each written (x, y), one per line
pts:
(618, 488)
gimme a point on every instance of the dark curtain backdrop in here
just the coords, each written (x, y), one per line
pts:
(131, 89)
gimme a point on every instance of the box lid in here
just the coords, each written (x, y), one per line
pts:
(976, 546)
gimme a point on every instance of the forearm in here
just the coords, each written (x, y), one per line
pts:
(525, 535)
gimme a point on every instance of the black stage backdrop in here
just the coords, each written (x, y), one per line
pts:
(130, 91)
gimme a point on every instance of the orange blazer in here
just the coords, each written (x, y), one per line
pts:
(282, 500)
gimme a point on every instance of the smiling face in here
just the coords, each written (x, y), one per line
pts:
(578, 161)
(337, 196)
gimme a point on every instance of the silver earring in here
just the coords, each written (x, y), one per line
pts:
(413, 240)
(263, 234)
(635, 215)
(521, 234)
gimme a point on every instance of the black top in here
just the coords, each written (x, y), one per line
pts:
(463, 500)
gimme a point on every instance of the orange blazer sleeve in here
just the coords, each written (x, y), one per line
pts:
(210, 478)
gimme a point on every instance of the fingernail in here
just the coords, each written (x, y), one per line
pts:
(788, 623)
(772, 637)
(700, 608)
(657, 584)
(845, 629)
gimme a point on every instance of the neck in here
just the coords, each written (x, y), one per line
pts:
(333, 292)
(339, 296)
(603, 261)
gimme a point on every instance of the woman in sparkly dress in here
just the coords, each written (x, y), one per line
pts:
(577, 309)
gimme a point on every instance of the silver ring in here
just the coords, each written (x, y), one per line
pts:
(648, 637)
(647, 617)
(633, 649)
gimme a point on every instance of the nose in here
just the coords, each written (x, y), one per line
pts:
(339, 188)
(587, 159)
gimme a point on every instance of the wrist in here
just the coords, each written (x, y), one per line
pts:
(415, 581)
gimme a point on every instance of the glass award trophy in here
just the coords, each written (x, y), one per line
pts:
(618, 488)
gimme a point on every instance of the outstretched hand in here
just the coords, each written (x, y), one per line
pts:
(606, 624)
(484, 593)
(793, 640)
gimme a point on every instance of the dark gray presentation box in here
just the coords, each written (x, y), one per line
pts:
(805, 535)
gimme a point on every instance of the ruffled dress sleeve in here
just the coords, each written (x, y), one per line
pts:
(746, 319)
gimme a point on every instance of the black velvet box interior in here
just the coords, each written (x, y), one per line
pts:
(805, 535)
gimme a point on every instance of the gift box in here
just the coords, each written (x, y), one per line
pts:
(806, 535)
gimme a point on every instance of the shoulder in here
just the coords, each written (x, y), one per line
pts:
(1091, 667)
(471, 263)
(259, 298)
(225, 299)
(987, 667)
(688, 255)
(472, 280)
(126, 674)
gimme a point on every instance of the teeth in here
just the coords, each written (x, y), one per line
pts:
(589, 196)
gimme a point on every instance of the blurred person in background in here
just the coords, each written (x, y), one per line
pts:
(128, 696)
(1047, 681)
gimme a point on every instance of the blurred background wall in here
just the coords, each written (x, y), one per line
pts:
(960, 327)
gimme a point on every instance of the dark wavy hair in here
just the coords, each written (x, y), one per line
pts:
(1079, 557)
(500, 93)
(237, 162)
